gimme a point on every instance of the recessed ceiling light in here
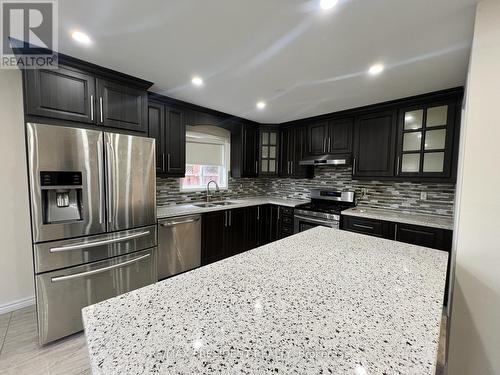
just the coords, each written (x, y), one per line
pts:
(197, 81)
(81, 37)
(376, 69)
(261, 105)
(327, 4)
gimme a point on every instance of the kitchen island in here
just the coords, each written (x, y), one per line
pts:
(321, 301)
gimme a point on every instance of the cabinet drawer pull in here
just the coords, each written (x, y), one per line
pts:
(362, 226)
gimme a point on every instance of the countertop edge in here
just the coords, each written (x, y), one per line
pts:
(189, 209)
(403, 218)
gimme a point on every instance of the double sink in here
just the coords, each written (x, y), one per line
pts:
(214, 204)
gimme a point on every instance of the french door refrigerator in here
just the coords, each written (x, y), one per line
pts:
(93, 214)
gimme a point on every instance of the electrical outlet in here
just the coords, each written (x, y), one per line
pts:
(423, 195)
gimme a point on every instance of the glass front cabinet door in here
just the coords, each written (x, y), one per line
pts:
(268, 151)
(425, 140)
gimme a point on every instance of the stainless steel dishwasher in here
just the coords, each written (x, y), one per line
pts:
(179, 245)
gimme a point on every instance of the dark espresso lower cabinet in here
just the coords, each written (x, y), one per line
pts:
(213, 237)
(227, 233)
(434, 238)
(231, 232)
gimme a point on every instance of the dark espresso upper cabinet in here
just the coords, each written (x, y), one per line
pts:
(121, 106)
(175, 142)
(62, 93)
(269, 150)
(426, 139)
(292, 151)
(332, 136)
(244, 150)
(317, 138)
(156, 123)
(167, 126)
(374, 144)
(81, 92)
(340, 136)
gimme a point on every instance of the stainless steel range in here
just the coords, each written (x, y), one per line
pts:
(324, 209)
(93, 212)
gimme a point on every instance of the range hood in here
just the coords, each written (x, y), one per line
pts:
(328, 159)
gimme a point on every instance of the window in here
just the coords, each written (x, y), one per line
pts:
(207, 157)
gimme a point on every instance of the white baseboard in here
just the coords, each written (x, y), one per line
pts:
(16, 305)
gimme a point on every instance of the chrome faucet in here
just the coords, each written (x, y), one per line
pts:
(208, 196)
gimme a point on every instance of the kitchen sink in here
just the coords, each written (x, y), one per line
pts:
(224, 203)
(205, 205)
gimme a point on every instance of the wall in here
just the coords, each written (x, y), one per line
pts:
(16, 265)
(404, 196)
(475, 324)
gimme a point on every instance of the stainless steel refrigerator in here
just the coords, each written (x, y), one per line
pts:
(93, 213)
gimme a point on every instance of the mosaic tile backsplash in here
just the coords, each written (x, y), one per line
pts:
(404, 196)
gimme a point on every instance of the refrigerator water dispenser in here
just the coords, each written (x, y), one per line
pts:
(61, 196)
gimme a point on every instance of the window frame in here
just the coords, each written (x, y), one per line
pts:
(194, 136)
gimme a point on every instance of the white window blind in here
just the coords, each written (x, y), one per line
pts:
(204, 153)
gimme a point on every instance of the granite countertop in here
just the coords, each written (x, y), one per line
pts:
(188, 209)
(401, 217)
(321, 301)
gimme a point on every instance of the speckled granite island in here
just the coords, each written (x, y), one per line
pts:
(322, 301)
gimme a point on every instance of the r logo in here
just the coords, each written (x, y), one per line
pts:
(28, 25)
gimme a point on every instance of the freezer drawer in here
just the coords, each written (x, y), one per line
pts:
(61, 295)
(55, 255)
(179, 245)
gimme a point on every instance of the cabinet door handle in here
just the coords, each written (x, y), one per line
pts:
(395, 231)
(163, 161)
(257, 167)
(168, 162)
(258, 212)
(100, 109)
(324, 144)
(329, 144)
(278, 217)
(92, 107)
(291, 167)
(225, 219)
(353, 165)
(397, 166)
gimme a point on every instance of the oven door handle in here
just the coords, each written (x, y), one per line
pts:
(311, 220)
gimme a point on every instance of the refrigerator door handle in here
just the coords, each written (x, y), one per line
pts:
(104, 269)
(98, 243)
(110, 178)
(99, 179)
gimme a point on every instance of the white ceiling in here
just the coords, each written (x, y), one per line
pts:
(302, 61)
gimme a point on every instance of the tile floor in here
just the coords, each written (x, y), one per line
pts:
(20, 353)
